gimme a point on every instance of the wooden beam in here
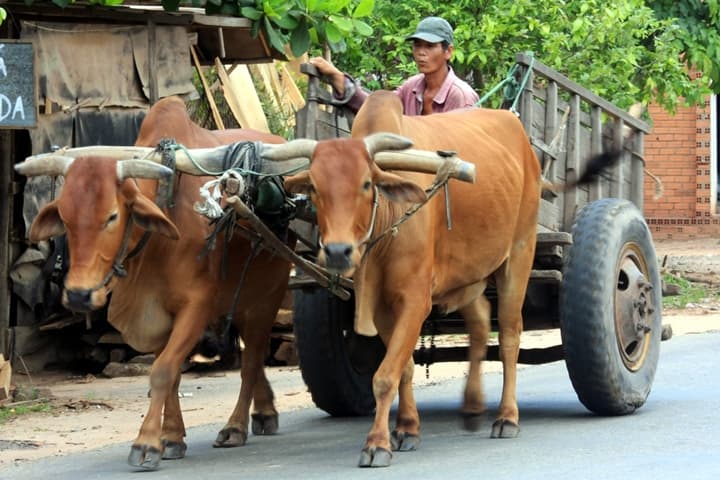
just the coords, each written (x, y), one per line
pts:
(208, 93)
(249, 114)
(6, 193)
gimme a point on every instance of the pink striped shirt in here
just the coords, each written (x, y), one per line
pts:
(453, 94)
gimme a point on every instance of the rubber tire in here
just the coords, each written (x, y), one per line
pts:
(337, 365)
(594, 362)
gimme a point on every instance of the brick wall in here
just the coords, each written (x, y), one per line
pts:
(678, 151)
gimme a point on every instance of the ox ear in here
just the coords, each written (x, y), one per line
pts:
(149, 216)
(47, 224)
(299, 183)
(397, 188)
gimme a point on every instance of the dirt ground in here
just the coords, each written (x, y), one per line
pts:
(89, 412)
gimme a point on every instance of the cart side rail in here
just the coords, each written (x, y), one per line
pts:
(567, 124)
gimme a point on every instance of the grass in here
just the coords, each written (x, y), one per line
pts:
(689, 293)
(8, 412)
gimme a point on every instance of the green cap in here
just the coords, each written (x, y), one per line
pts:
(433, 30)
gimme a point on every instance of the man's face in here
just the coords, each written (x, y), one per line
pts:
(430, 57)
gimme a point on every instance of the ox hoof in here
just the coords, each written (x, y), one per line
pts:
(174, 450)
(264, 424)
(472, 421)
(504, 429)
(142, 456)
(375, 457)
(404, 442)
(230, 437)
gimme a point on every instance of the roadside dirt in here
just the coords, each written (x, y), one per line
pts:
(89, 412)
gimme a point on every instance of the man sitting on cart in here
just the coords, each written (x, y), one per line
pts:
(435, 89)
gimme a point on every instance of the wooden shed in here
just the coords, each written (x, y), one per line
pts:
(86, 75)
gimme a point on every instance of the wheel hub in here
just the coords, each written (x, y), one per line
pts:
(634, 308)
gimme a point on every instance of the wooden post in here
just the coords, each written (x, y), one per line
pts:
(617, 189)
(596, 148)
(152, 70)
(208, 93)
(637, 195)
(572, 162)
(6, 165)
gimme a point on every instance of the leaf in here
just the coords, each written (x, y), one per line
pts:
(364, 8)
(170, 5)
(251, 13)
(362, 28)
(61, 3)
(332, 33)
(342, 23)
(287, 22)
(274, 36)
(3, 14)
(300, 39)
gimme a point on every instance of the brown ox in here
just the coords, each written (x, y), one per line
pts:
(172, 291)
(424, 263)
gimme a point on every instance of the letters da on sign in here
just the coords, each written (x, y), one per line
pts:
(18, 105)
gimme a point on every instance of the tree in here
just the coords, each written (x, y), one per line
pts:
(621, 50)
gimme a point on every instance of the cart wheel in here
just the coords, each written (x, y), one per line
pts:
(610, 308)
(337, 364)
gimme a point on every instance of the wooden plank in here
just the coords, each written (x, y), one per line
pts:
(595, 148)
(291, 88)
(5, 376)
(208, 93)
(637, 195)
(249, 113)
(6, 209)
(152, 69)
(616, 187)
(551, 128)
(572, 164)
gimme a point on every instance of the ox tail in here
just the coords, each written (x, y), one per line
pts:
(596, 166)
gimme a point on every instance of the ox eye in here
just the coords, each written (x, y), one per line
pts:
(111, 219)
(367, 185)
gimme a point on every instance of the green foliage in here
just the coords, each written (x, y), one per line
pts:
(8, 413)
(620, 50)
(698, 32)
(689, 293)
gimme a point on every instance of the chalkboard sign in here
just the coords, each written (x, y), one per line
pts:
(17, 85)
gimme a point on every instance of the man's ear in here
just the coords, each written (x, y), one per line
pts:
(298, 183)
(47, 224)
(397, 188)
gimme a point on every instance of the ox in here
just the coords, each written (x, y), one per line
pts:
(173, 290)
(399, 277)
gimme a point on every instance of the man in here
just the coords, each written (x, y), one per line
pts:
(435, 89)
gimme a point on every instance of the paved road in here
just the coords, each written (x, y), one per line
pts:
(676, 435)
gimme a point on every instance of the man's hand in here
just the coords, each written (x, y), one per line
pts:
(336, 77)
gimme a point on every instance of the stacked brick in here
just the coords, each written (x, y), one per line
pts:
(678, 151)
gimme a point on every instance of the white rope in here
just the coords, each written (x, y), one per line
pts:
(211, 193)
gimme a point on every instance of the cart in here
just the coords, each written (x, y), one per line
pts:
(595, 275)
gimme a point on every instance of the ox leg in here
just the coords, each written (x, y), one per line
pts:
(173, 427)
(265, 419)
(477, 320)
(400, 346)
(511, 281)
(256, 335)
(406, 436)
(147, 449)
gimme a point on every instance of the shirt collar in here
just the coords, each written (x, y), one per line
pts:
(442, 94)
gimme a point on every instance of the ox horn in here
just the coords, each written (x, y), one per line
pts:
(380, 142)
(141, 169)
(426, 162)
(50, 164)
(299, 148)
